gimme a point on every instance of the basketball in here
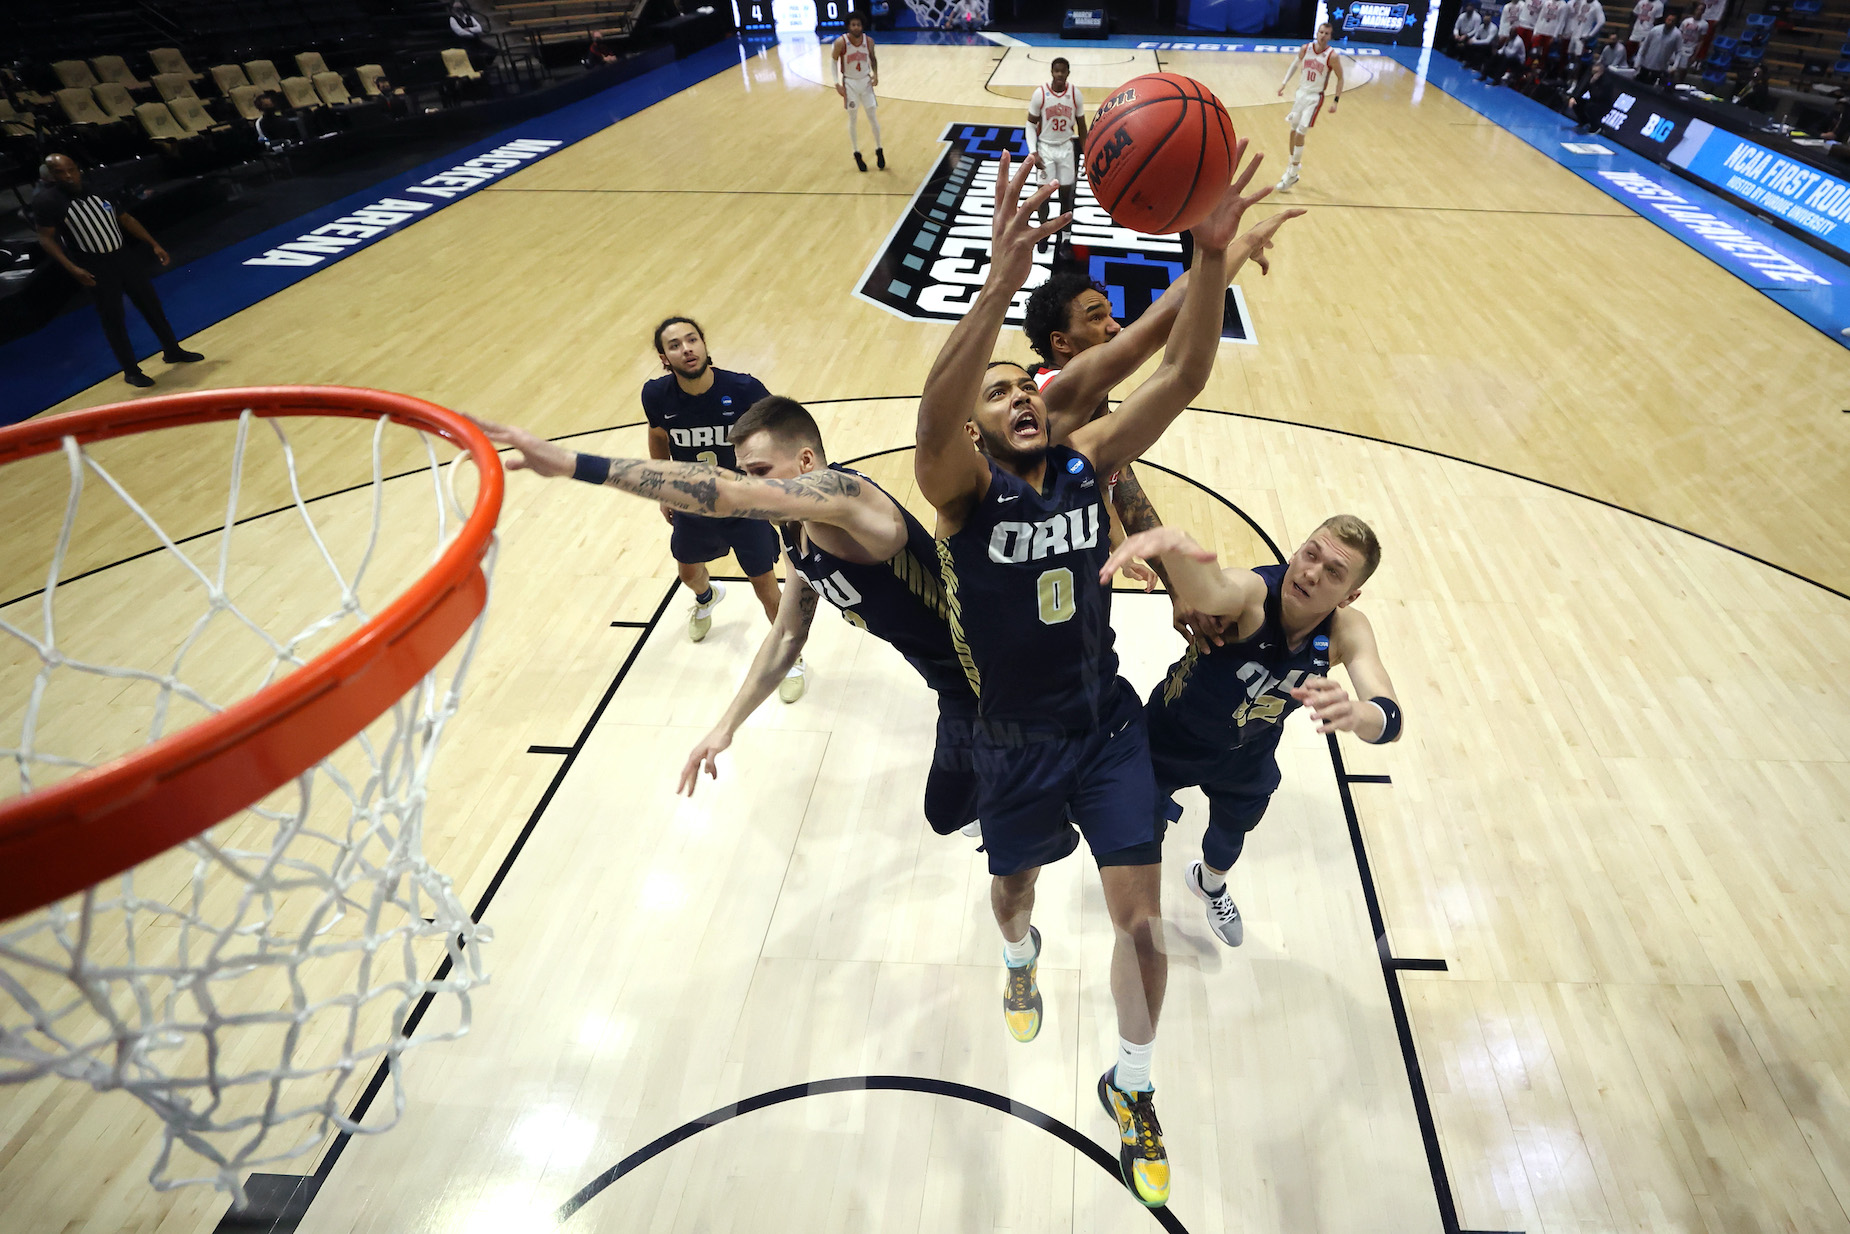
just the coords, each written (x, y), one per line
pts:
(1160, 153)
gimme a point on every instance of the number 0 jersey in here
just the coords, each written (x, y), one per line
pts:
(899, 601)
(699, 426)
(1237, 696)
(1026, 606)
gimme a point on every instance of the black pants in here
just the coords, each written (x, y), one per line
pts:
(118, 274)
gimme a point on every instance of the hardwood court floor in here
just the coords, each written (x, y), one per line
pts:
(1617, 816)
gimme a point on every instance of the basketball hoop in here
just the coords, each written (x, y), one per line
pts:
(214, 919)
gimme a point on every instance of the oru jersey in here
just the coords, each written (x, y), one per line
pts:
(1027, 610)
(699, 426)
(1236, 697)
(899, 601)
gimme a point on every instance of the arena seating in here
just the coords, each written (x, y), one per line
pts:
(114, 99)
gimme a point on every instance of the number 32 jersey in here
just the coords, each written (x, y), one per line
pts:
(1028, 614)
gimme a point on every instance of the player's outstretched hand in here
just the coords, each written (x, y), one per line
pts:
(706, 753)
(1330, 705)
(1216, 231)
(1252, 244)
(534, 454)
(1156, 542)
(1138, 572)
(1013, 234)
(1203, 631)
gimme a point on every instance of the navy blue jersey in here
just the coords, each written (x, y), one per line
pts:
(1021, 579)
(899, 601)
(1237, 696)
(699, 426)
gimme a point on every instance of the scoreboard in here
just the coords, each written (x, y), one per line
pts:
(768, 16)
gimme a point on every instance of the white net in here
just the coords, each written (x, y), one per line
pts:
(951, 14)
(247, 984)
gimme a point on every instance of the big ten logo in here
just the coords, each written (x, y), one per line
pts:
(1101, 158)
(1659, 129)
(697, 437)
(1067, 532)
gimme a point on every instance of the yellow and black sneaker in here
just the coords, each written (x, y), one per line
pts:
(1021, 997)
(1141, 1159)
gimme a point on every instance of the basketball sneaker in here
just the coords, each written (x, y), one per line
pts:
(790, 689)
(859, 161)
(880, 158)
(701, 619)
(974, 829)
(1286, 181)
(1141, 1159)
(1223, 913)
(1021, 997)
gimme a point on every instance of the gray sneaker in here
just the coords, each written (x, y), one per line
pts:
(1223, 913)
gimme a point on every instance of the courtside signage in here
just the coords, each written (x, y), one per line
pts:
(1806, 198)
(388, 214)
(1290, 49)
(934, 261)
(1708, 231)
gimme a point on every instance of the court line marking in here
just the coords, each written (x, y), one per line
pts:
(848, 1084)
(709, 192)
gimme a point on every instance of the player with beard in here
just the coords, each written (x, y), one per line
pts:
(691, 410)
(1216, 719)
(847, 542)
(1021, 540)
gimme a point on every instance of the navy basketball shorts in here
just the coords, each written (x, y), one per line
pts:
(951, 786)
(1029, 785)
(1238, 785)
(698, 539)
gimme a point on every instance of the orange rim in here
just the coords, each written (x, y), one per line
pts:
(73, 834)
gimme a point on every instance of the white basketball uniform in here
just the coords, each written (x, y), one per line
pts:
(857, 72)
(1059, 122)
(1309, 100)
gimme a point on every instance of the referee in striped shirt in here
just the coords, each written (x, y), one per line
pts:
(84, 232)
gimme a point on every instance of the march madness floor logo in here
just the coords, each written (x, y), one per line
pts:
(937, 256)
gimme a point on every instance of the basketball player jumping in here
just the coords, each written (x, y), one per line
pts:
(1057, 130)
(849, 543)
(855, 71)
(690, 411)
(1021, 541)
(1322, 64)
(1069, 323)
(1215, 721)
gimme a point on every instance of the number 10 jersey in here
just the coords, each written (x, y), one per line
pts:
(1028, 614)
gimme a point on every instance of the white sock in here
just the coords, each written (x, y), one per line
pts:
(1297, 156)
(873, 122)
(1132, 1074)
(854, 131)
(1019, 955)
(1211, 882)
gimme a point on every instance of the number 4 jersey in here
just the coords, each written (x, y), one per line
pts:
(1027, 610)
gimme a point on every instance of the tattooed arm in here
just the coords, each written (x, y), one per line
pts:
(796, 611)
(1202, 630)
(825, 496)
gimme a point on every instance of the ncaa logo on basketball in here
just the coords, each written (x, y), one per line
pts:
(934, 261)
(1103, 158)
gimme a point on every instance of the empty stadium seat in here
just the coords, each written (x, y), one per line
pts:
(456, 64)
(113, 98)
(16, 123)
(73, 74)
(192, 114)
(228, 77)
(169, 60)
(79, 106)
(173, 86)
(300, 92)
(244, 100)
(310, 64)
(158, 122)
(115, 69)
(263, 75)
(332, 89)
